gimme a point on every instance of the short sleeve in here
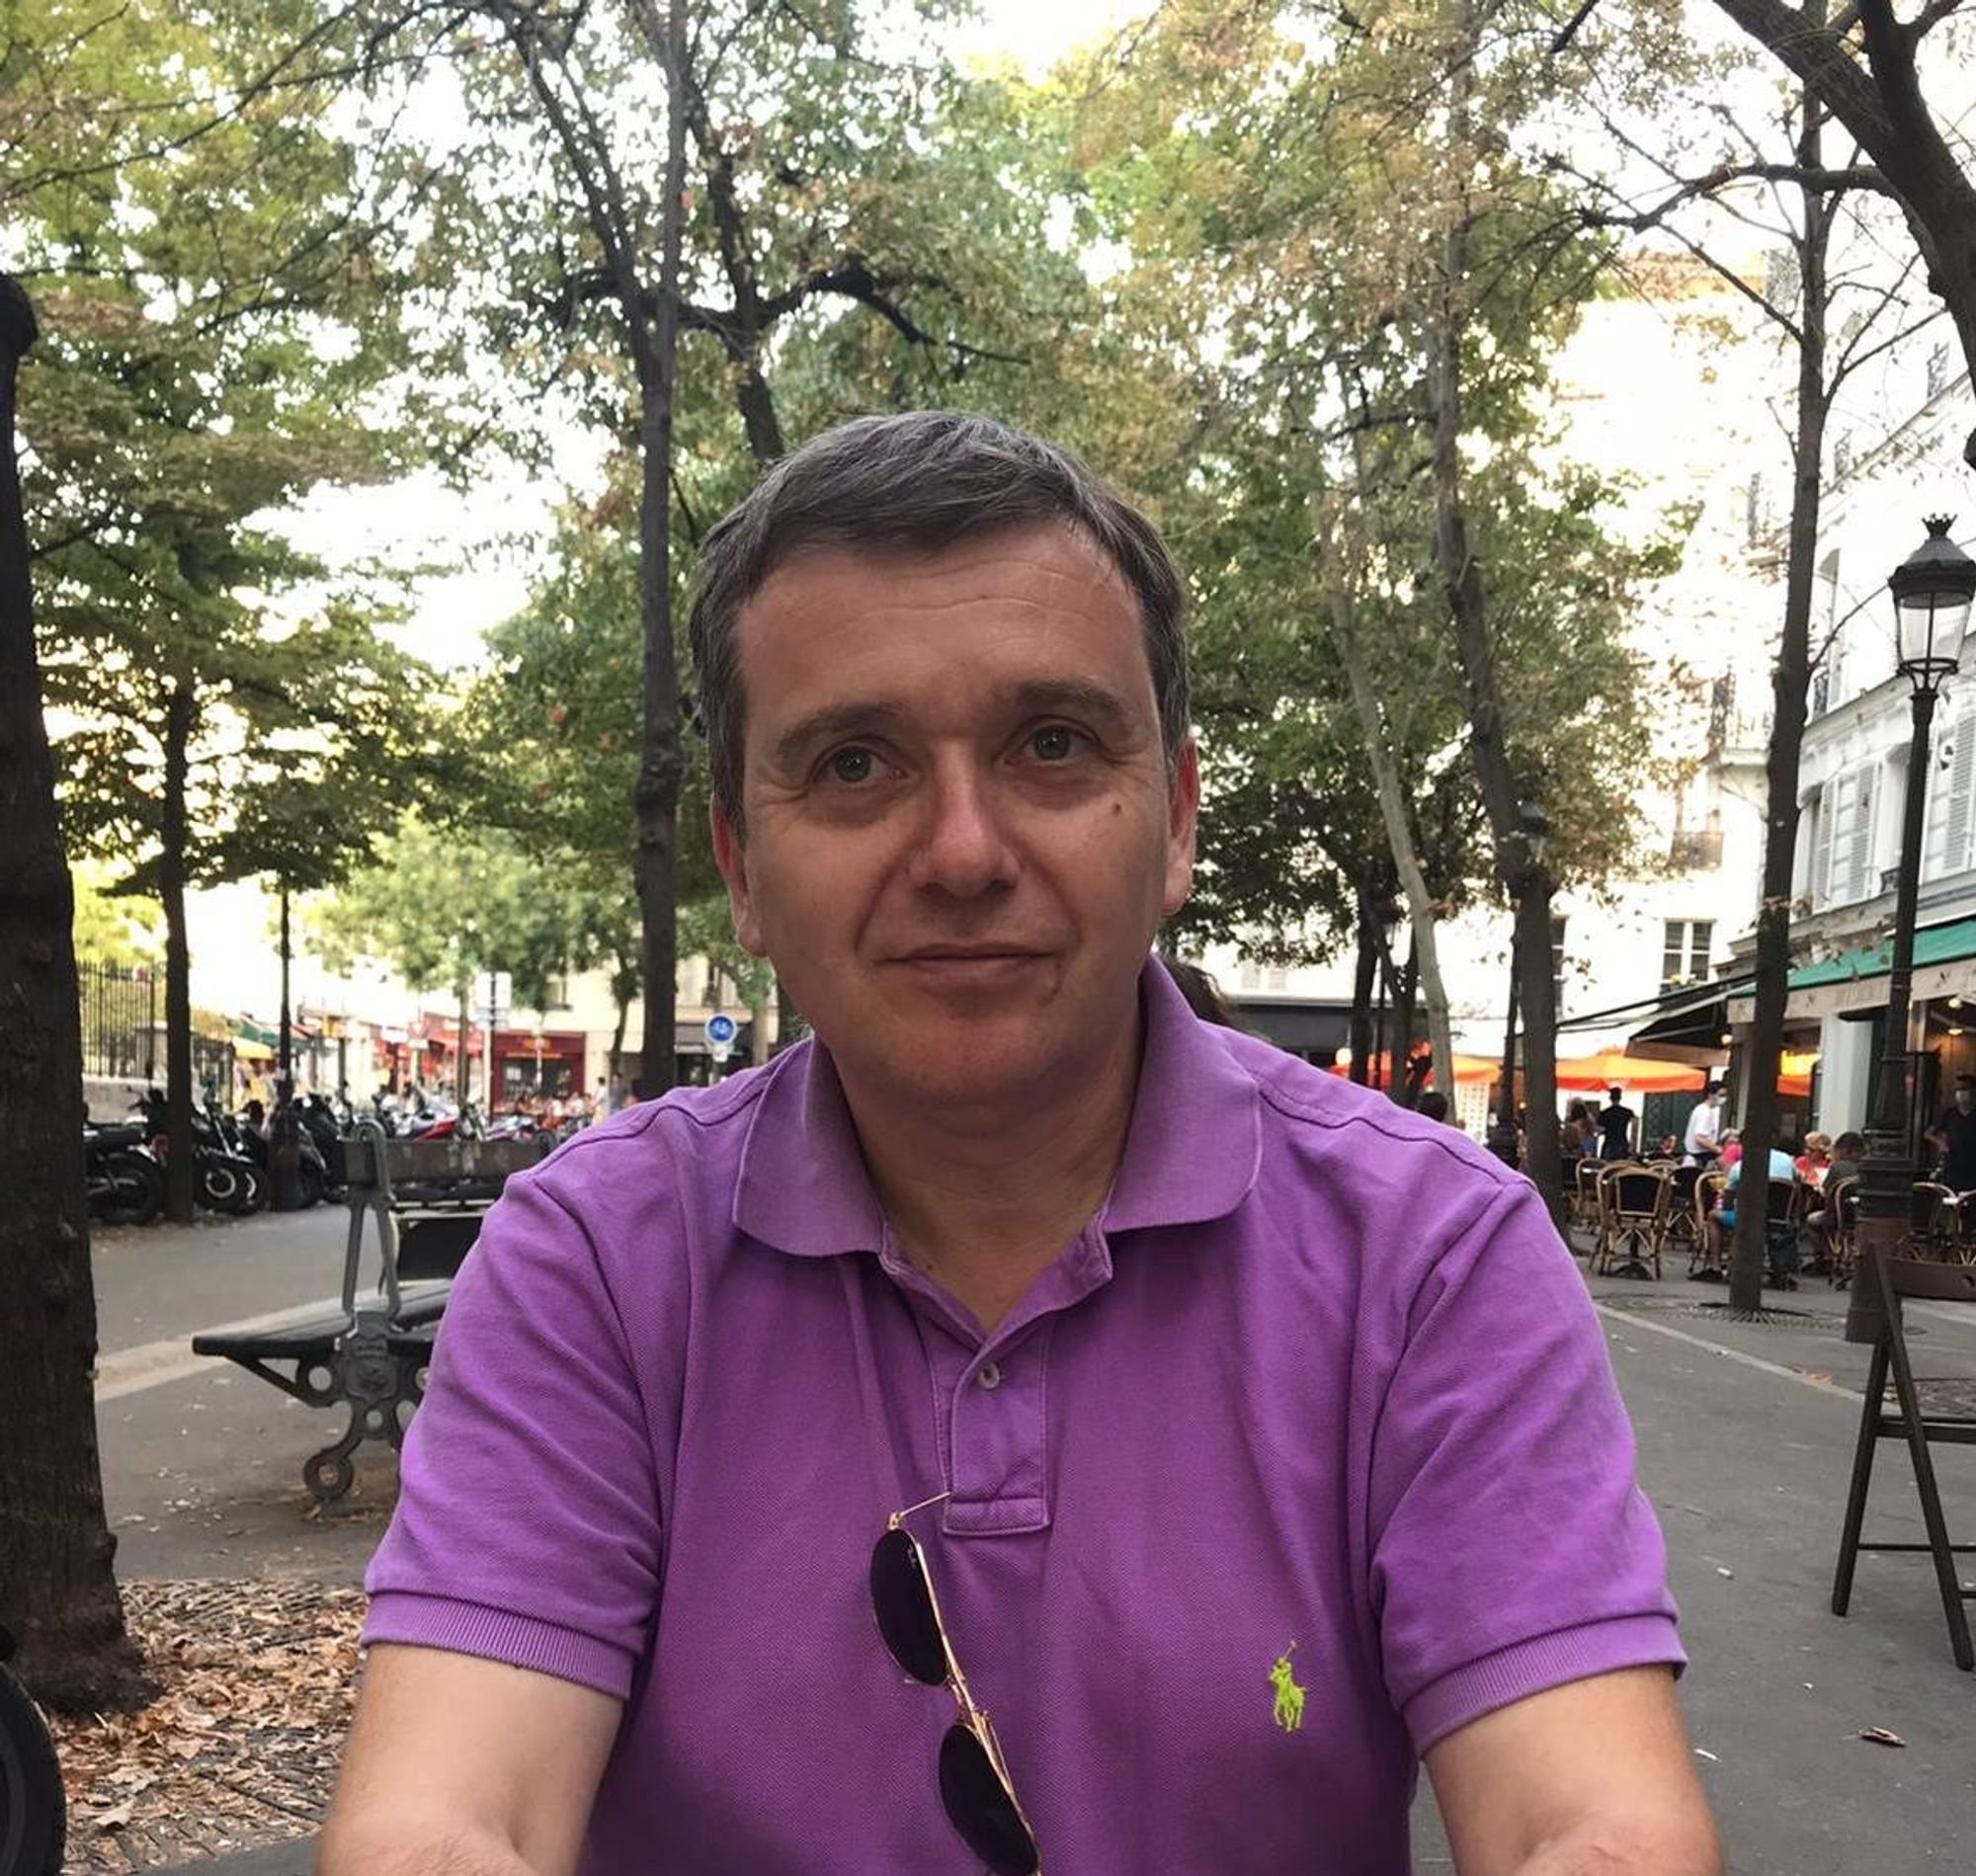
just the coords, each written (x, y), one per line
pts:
(1512, 1550)
(527, 1527)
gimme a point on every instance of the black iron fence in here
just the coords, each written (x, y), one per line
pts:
(122, 1022)
(124, 1031)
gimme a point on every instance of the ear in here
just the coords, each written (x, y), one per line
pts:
(730, 854)
(1183, 808)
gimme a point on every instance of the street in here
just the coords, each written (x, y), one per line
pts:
(1744, 1435)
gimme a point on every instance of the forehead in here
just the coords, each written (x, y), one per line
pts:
(830, 617)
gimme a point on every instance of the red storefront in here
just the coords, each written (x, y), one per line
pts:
(548, 1064)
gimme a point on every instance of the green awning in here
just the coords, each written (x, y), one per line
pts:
(1937, 944)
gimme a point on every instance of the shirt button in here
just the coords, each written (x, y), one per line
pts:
(990, 1376)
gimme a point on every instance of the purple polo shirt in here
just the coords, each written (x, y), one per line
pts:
(1318, 1373)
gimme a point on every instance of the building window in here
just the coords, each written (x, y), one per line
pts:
(1685, 944)
(1951, 794)
(1843, 855)
(1753, 511)
(1938, 371)
(1253, 976)
(1842, 456)
(1557, 962)
(556, 991)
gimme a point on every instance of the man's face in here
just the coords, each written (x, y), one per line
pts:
(962, 834)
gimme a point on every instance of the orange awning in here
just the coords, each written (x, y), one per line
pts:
(1467, 1068)
(1596, 1073)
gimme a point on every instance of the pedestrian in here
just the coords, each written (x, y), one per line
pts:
(1699, 1144)
(1953, 1136)
(1014, 1279)
(1615, 1126)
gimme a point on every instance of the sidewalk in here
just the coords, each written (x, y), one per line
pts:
(1745, 1434)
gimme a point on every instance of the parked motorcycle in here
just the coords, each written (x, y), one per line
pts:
(223, 1177)
(127, 1185)
(34, 1814)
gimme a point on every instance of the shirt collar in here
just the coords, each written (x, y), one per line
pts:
(1191, 1155)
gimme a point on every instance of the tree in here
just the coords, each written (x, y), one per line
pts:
(1375, 285)
(204, 284)
(1860, 65)
(57, 1590)
(443, 905)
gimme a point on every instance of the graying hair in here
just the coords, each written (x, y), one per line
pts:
(922, 482)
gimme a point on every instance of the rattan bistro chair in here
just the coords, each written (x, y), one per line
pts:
(1632, 1219)
(1583, 1191)
(1900, 1278)
(1703, 1258)
(1683, 1228)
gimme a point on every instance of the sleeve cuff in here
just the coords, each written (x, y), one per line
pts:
(470, 1628)
(1534, 1667)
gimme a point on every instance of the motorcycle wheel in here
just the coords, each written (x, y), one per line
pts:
(222, 1185)
(133, 1189)
(33, 1813)
(309, 1177)
(253, 1193)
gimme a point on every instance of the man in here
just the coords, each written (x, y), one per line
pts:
(1256, 1435)
(1615, 1127)
(1704, 1121)
(1781, 1246)
(1953, 1136)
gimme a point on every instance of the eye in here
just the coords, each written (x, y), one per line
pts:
(1053, 743)
(851, 766)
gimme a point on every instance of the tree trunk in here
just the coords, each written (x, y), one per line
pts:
(462, 1084)
(662, 763)
(1364, 973)
(1523, 875)
(1400, 840)
(1881, 103)
(180, 1174)
(1789, 681)
(57, 1590)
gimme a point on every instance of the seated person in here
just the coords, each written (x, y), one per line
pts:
(1848, 1160)
(1782, 1258)
(1815, 1162)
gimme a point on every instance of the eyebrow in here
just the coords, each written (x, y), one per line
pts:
(1094, 703)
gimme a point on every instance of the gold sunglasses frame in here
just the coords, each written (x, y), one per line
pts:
(973, 1717)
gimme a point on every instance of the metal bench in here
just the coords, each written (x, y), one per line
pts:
(422, 1201)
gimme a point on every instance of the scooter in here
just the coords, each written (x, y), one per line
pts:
(33, 1813)
(127, 1185)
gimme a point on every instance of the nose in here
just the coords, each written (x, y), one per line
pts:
(961, 845)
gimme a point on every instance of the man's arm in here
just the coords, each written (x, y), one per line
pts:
(458, 1766)
(1593, 1778)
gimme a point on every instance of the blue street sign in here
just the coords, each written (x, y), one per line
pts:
(721, 1029)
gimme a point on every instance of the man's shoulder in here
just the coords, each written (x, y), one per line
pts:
(696, 1132)
(1364, 1127)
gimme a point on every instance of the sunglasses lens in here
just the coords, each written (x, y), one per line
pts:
(904, 1607)
(979, 1804)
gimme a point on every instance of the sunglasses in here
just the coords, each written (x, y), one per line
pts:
(975, 1782)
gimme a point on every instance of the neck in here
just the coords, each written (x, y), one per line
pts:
(984, 1200)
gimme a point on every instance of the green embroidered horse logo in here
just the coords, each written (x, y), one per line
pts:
(1289, 1710)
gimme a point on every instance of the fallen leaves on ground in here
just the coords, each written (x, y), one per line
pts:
(240, 1747)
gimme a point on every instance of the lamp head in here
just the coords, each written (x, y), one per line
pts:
(1933, 589)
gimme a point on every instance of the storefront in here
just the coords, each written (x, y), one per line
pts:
(548, 1062)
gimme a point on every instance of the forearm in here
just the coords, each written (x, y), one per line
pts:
(1688, 1849)
(415, 1847)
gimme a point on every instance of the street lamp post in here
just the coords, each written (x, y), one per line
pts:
(1532, 829)
(1931, 589)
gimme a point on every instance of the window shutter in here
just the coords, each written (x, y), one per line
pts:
(1820, 843)
(1961, 779)
(1859, 859)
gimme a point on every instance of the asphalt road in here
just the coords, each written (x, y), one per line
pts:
(1745, 1434)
